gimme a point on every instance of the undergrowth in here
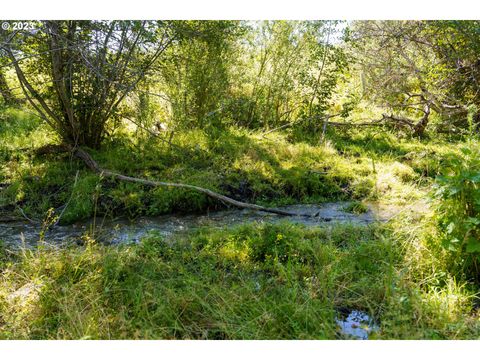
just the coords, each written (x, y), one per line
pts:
(255, 281)
(268, 170)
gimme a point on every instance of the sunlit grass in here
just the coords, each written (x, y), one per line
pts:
(246, 165)
(250, 282)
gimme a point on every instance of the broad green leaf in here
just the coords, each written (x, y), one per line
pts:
(473, 245)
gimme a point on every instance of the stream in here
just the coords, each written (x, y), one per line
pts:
(352, 325)
(121, 230)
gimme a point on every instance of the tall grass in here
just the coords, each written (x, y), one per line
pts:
(254, 281)
(413, 274)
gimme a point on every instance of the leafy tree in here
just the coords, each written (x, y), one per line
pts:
(196, 72)
(326, 62)
(75, 74)
(457, 45)
(290, 72)
(415, 67)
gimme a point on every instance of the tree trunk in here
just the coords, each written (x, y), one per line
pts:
(419, 128)
(61, 80)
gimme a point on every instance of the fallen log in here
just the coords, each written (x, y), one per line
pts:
(93, 165)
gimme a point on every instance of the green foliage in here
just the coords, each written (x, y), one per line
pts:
(255, 281)
(458, 209)
(213, 286)
(287, 71)
(472, 114)
(83, 198)
(220, 87)
(197, 70)
(76, 88)
(456, 44)
(15, 122)
(235, 162)
(432, 65)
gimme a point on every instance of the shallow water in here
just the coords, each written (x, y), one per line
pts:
(123, 231)
(357, 325)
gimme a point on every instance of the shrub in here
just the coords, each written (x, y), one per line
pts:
(458, 207)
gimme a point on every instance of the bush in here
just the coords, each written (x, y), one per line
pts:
(458, 208)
